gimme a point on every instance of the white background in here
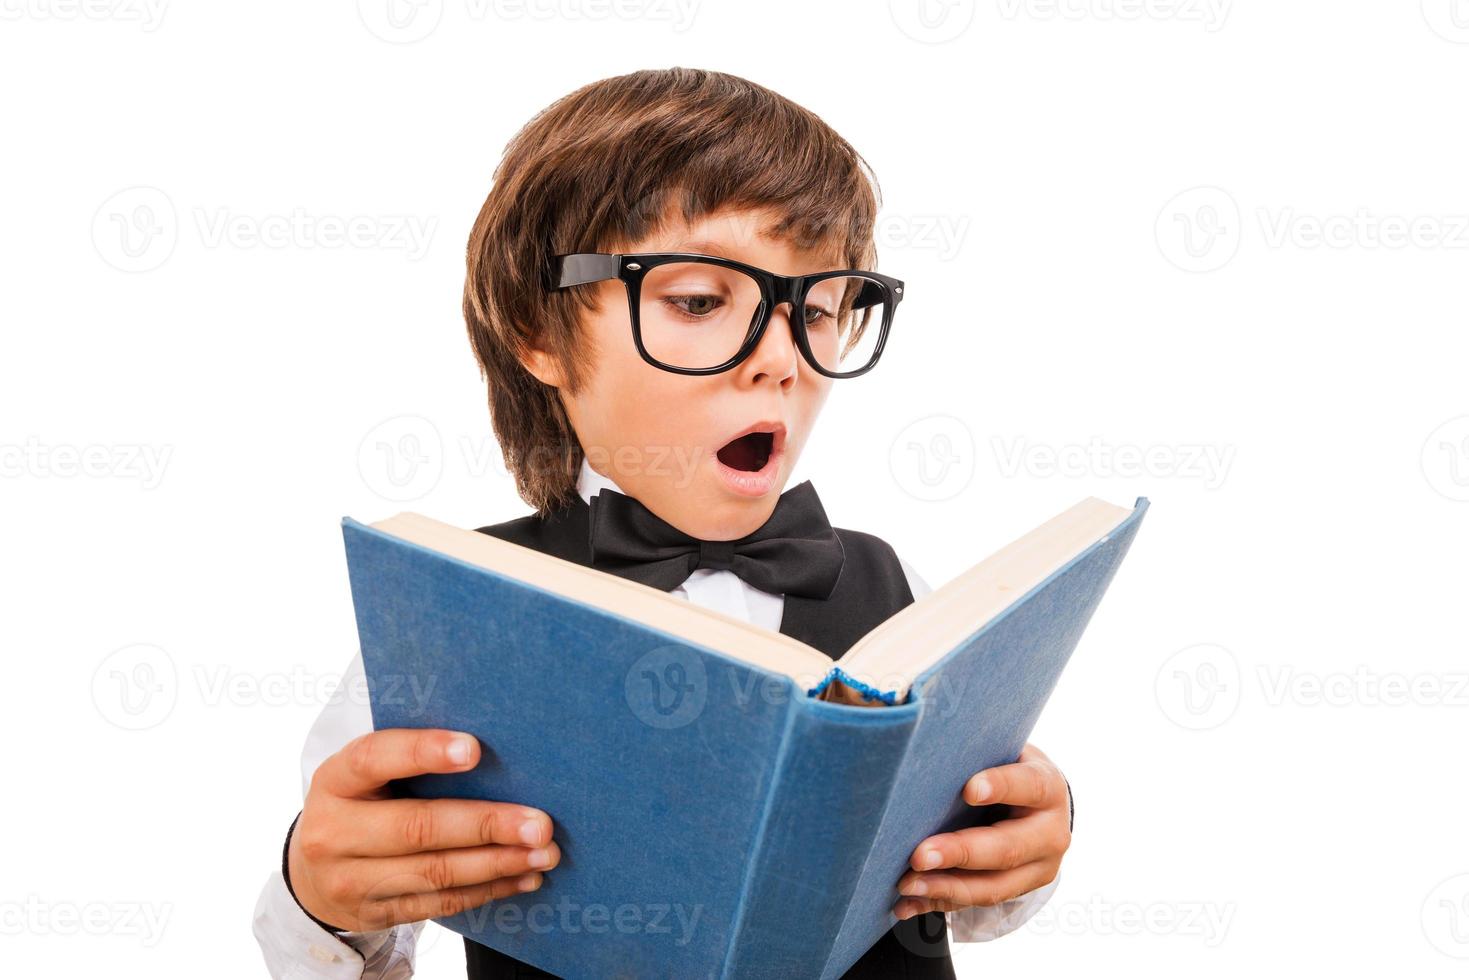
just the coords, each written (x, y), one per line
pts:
(1212, 253)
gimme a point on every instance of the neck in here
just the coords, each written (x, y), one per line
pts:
(589, 482)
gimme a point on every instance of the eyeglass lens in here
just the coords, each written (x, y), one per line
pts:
(698, 315)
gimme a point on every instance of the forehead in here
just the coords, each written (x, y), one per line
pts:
(754, 236)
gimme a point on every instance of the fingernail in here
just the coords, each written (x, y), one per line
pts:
(980, 788)
(530, 832)
(459, 749)
(929, 859)
(528, 883)
(539, 858)
(917, 887)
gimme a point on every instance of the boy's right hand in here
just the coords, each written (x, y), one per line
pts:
(363, 860)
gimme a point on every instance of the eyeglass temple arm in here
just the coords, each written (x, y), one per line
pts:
(584, 267)
(870, 295)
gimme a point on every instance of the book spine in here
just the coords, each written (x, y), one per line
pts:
(836, 770)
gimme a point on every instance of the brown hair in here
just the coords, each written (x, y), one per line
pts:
(604, 166)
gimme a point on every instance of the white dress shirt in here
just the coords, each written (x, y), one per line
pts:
(297, 948)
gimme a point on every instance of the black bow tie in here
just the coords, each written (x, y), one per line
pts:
(795, 552)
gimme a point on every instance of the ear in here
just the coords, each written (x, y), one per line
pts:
(544, 367)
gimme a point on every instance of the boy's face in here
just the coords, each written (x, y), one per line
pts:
(669, 439)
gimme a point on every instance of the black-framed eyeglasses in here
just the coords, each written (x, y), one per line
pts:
(702, 314)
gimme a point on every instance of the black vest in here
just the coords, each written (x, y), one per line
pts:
(872, 587)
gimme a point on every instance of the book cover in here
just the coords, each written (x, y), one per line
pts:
(714, 818)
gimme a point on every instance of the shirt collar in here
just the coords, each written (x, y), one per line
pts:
(589, 482)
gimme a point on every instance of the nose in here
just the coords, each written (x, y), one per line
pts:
(776, 355)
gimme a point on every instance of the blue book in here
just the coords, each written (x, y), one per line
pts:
(729, 801)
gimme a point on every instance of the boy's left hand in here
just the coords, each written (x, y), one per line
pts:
(989, 865)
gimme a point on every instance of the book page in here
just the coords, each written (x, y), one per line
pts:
(919, 636)
(771, 651)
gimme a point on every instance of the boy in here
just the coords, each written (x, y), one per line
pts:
(651, 407)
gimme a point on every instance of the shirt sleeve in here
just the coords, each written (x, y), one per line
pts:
(981, 923)
(294, 946)
(916, 584)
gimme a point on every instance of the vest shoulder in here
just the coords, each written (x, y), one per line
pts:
(517, 528)
(562, 533)
(878, 561)
(866, 542)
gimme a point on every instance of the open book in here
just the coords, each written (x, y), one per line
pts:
(726, 800)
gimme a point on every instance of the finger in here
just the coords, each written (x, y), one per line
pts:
(1030, 752)
(1033, 783)
(383, 828)
(977, 887)
(417, 906)
(908, 907)
(365, 765)
(435, 871)
(998, 847)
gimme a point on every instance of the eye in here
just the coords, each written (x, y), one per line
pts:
(696, 305)
(818, 317)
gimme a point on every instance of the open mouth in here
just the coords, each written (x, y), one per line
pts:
(750, 451)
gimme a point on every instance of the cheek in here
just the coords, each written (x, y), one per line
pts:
(812, 399)
(628, 400)
(654, 409)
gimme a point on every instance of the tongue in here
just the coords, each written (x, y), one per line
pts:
(745, 453)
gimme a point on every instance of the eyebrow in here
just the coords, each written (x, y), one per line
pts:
(705, 248)
(715, 249)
